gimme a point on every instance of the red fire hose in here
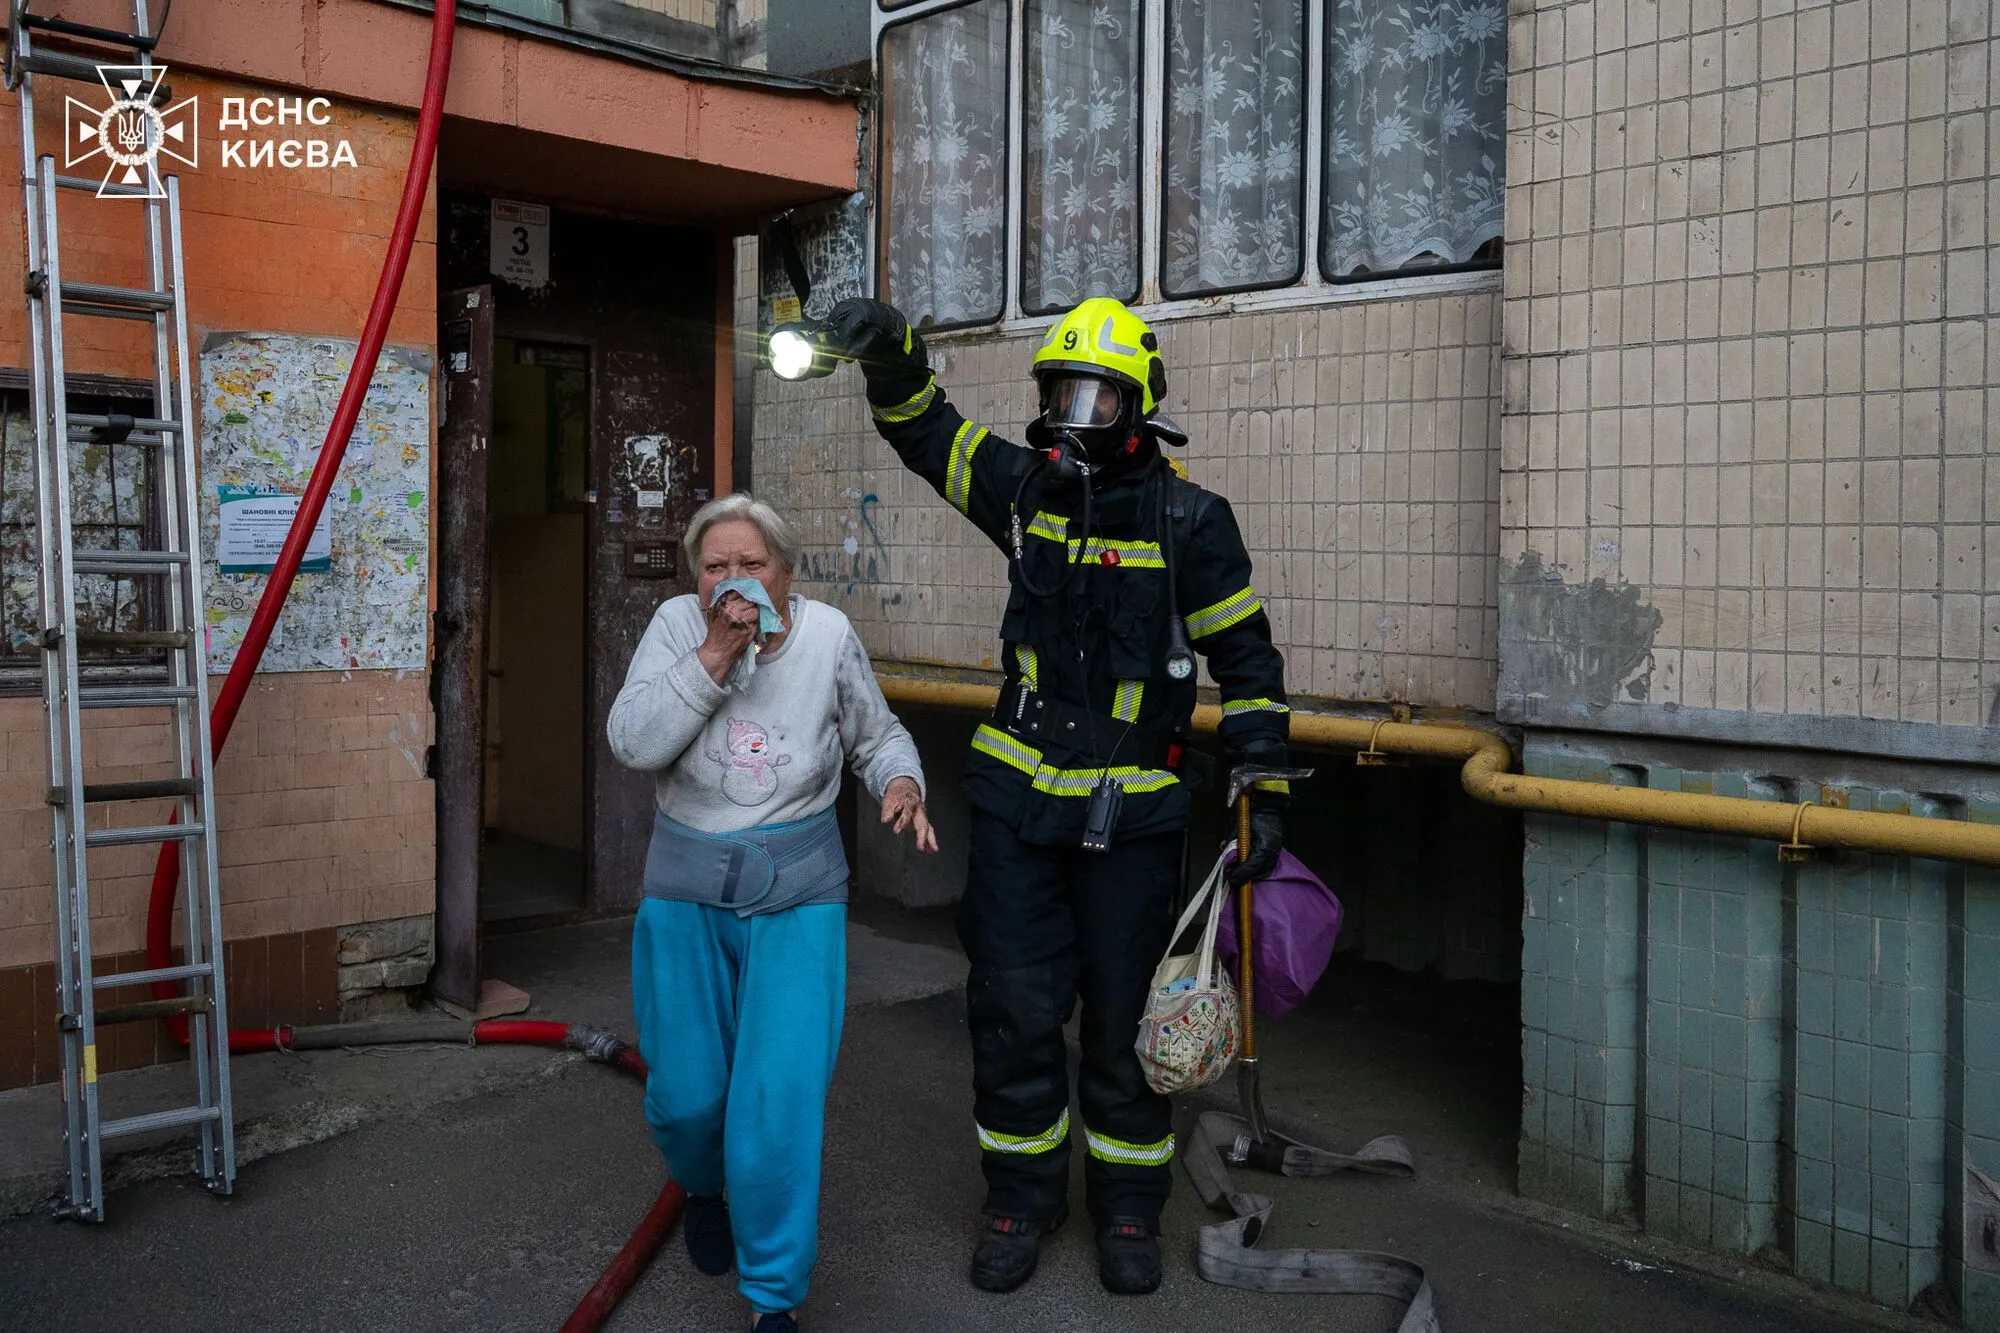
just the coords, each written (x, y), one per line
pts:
(166, 872)
(639, 1250)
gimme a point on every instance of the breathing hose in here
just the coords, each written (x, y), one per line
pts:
(595, 1043)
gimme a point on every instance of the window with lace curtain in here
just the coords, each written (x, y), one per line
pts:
(944, 165)
(1235, 145)
(1416, 118)
(1080, 153)
(1402, 105)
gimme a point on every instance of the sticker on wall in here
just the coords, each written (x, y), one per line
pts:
(652, 499)
(518, 250)
(254, 522)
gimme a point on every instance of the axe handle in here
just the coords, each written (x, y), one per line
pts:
(1244, 997)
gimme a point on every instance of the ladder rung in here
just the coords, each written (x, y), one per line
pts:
(140, 1124)
(80, 68)
(97, 294)
(137, 41)
(141, 833)
(143, 1011)
(138, 438)
(146, 790)
(105, 640)
(126, 562)
(103, 187)
(133, 696)
(119, 980)
(85, 422)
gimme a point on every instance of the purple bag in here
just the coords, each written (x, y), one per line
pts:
(1295, 919)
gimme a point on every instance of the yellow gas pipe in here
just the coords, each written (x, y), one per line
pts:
(1798, 829)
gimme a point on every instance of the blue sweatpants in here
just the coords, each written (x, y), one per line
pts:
(739, 1021)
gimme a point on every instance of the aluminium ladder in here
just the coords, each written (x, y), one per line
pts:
(172, 645)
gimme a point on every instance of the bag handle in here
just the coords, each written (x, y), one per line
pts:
(1215, 889)
(1194, 906)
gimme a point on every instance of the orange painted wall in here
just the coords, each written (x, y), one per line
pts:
(325, 813)
(269, 249)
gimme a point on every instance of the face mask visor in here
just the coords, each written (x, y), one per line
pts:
(1080, 402)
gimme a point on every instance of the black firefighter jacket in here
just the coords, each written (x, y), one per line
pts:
(1087, 688)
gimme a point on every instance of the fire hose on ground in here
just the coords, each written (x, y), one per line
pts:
(594, 1043)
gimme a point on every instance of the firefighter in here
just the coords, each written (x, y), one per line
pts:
(1079, 782)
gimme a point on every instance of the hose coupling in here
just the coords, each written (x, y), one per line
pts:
(599, 1044)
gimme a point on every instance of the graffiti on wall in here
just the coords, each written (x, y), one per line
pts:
(862, 558)
(266, 401)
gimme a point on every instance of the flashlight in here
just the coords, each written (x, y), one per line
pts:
(802, 351)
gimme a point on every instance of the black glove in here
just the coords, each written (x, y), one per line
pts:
(864, 328)
(888, 350)
(1267, 837)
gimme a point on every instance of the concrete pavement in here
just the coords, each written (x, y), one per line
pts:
(485, 1189)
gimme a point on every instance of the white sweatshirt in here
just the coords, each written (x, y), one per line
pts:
(771, 751)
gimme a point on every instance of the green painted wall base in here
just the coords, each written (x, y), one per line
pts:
(1797, 1062)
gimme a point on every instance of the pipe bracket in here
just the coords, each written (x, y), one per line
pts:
(1798, 851)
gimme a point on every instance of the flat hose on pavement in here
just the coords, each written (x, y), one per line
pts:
(1226, 1253)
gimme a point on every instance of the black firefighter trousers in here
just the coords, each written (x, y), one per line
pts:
(1044, 927)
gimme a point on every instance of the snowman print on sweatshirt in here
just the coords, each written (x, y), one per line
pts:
(749, 769)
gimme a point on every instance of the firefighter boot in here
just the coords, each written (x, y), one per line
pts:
(1006, 1255)
(1128, 1258)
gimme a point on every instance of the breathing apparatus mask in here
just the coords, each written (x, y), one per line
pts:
(1088, 424)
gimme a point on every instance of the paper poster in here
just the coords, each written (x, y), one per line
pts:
(254, 525)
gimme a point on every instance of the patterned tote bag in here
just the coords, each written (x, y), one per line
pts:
(1190, 1030)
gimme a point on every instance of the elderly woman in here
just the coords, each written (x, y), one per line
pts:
(744, 700)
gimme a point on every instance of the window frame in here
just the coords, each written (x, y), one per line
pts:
(1308, 96)
(1363, 280)
(1010, 154)
(1017, 280)
(21, 673)
(1312, 287)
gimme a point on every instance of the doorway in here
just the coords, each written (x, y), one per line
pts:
(535, 830)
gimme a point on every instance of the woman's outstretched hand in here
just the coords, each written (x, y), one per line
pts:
(903, 808)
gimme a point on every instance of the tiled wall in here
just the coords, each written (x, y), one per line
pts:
(1792, 1061)
(1358, 444)
(325, 815)
(1747, 368)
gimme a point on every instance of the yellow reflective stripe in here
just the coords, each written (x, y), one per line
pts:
(1081, 781)
(1139, 555)
(1277, 786)
(1049, 526)
(1125, 702)
(1047, 1141)
(1234, 707)
(1107, 1149)
(989, 740)
(958, 469)
(1231, 610)
(910, 407)
(1030, 664)
(1136, 555)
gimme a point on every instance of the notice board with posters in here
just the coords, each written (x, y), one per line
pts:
(266, 403)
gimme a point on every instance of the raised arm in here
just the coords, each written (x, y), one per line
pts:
(974, 470)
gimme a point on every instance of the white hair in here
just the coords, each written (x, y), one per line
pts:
(741, 507)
